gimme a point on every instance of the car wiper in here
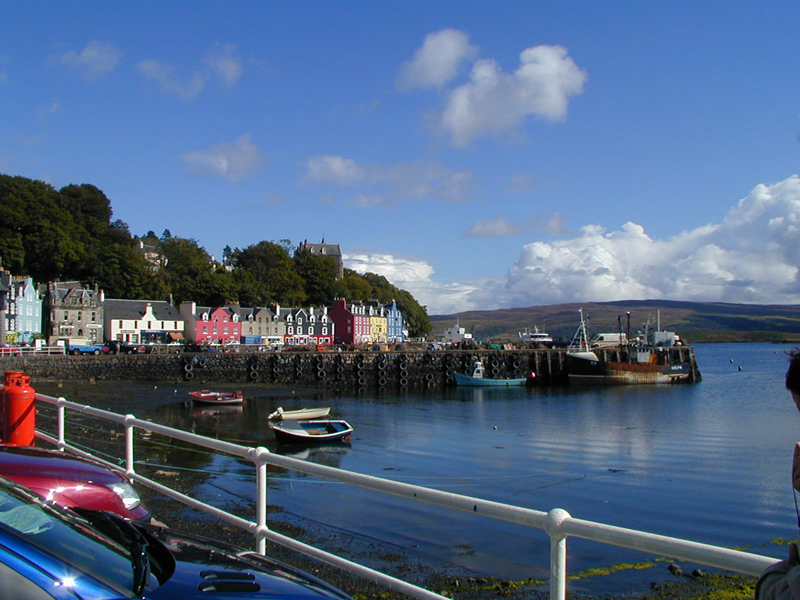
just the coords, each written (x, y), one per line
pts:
(133, 540)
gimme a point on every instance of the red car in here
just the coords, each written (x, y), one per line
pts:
(70, 481)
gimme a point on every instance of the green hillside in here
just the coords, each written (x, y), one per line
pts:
(694, 321)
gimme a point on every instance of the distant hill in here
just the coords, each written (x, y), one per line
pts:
(694, 321)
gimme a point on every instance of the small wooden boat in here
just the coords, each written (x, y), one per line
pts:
(301, 414)
(478, 378)
(290, 431)
(210, 397)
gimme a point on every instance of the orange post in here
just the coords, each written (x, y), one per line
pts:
(18, 410)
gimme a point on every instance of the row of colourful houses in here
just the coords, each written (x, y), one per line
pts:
(71, 310)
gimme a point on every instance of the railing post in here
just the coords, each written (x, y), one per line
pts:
(129, 431)
(261, 500)
(62, 417)
(558, 553)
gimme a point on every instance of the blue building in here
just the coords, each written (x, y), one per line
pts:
(395, 326)
(24, 311)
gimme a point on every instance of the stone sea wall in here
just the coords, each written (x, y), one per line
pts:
(336, 370)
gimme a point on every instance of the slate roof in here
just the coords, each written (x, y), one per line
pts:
(135, 309)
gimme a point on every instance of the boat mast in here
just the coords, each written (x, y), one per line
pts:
(581, 334)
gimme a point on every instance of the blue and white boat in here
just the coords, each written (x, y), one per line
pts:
(291, 431)
(478, 378)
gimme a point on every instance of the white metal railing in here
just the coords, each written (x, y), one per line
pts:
(31, 350)
(557, 523)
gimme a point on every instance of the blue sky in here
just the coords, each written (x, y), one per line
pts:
(478, 154)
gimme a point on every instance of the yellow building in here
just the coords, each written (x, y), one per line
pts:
(378, 324)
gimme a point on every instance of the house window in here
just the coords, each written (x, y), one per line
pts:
(289, 330)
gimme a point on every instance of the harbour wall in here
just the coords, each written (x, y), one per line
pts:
(334, 370)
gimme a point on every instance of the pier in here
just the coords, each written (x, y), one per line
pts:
(345, 370)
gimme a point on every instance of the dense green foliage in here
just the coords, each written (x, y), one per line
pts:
(69, 235)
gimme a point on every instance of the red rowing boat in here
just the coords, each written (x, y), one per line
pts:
(210, 397)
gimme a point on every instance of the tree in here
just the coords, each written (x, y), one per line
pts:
(190, 275)
(318, 273)
(273, 268)
(121, 272)
(38, 236)
(68, 235)
(353, 287)
(414, 315)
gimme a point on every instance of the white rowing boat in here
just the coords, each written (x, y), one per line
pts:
(301, 414)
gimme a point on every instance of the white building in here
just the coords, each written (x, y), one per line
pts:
(455, 335)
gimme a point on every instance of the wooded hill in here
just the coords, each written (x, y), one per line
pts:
(694, 321)
(69, 235)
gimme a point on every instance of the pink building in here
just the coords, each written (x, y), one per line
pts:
(206, 325)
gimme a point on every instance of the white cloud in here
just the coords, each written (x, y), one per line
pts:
(496, 227)
(752, 257)
(224, 64)
(334, 169)
(170, 81)
(234, 161)
(378, 185)
(437, 61)
(494, 103)
(48, 111)
(95, 60)
(501, 227)
(220, 64)
(367, 201)
(414, 276)
(555, 224)
(520, 182)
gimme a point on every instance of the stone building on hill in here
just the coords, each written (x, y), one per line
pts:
(324, 249)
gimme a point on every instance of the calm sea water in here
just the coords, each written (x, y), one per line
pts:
(708, 462)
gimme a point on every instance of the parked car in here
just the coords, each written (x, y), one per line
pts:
(50, 552)
(78, 349)
(70, 481)
(6, 350)
(120, 347)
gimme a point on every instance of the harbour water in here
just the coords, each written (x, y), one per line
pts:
(709, 462)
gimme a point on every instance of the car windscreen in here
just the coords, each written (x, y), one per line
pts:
(68, 538)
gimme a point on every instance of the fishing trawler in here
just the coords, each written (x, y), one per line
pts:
(645, 360)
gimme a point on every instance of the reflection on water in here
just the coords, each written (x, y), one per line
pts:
(707, 462)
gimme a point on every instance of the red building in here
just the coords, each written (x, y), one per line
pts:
(351, 322)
